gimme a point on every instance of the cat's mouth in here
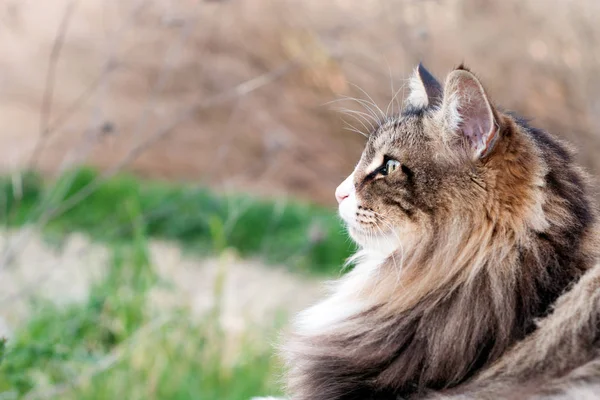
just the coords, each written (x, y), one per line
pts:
(359, 219)
(367, 227)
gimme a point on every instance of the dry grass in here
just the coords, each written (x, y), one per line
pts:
(124, 70)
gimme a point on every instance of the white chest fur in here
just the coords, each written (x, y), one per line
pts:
(346, 298)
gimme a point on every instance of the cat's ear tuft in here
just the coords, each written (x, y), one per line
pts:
(463, 67)
(468, 113)
(425, 90)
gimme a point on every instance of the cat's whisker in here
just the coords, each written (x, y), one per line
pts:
(404, 89)
(359, 113)
(405, 84)
(365, 104)
(361, 102)
(368, 106)
(340, 99)
(361, 119)
(383, 115)
(349, 127)
(391, 87)
(395, 98)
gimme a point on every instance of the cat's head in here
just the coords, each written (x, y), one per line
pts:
(448, 158)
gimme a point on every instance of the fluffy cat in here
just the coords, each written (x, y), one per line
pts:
(474, 230)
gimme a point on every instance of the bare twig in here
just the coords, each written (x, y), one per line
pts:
(240, 90)
(11, 248)
(43, 207)
(48, 96)
(110, 66)
(48, 128)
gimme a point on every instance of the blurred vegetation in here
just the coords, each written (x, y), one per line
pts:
(303, 237)
(114, 344)
(113, 347)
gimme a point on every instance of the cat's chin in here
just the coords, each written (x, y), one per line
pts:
(383, 244)
(373, 240)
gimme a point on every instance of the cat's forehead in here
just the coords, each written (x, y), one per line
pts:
(404, 133)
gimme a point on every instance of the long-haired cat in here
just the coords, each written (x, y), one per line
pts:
(476, 272)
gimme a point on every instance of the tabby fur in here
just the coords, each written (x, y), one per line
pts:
(468, 282)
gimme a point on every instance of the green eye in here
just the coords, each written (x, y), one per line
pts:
(389, 167)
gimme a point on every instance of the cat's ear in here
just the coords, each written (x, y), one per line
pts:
(468, 113)
(425, 90)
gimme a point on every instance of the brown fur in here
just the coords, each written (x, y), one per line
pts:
(560, 360)
(488, 246)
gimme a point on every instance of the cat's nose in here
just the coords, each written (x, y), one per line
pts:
(344, 189)
(340, 195)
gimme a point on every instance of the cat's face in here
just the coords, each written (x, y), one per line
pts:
(422, 165)
(393, 185)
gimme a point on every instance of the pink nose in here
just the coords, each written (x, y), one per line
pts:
(340, 195)
(344, 189)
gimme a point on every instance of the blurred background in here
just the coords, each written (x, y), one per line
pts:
(167, 168)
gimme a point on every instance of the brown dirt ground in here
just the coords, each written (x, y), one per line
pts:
(131, 66)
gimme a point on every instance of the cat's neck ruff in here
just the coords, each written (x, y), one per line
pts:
(347, 297)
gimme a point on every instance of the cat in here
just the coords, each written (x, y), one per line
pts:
(476, 276)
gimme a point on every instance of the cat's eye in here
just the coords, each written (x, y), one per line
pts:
(389, 167)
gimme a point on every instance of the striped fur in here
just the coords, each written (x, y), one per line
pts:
(483, 228)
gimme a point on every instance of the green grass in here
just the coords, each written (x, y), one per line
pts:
(300, 236)
(114, 346)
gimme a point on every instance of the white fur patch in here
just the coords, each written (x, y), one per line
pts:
(348, 208)
(537, 216)
(451, 113)
(344, 300)
(376, 163)
(583, 391)
(418, 95)
(380, 243)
